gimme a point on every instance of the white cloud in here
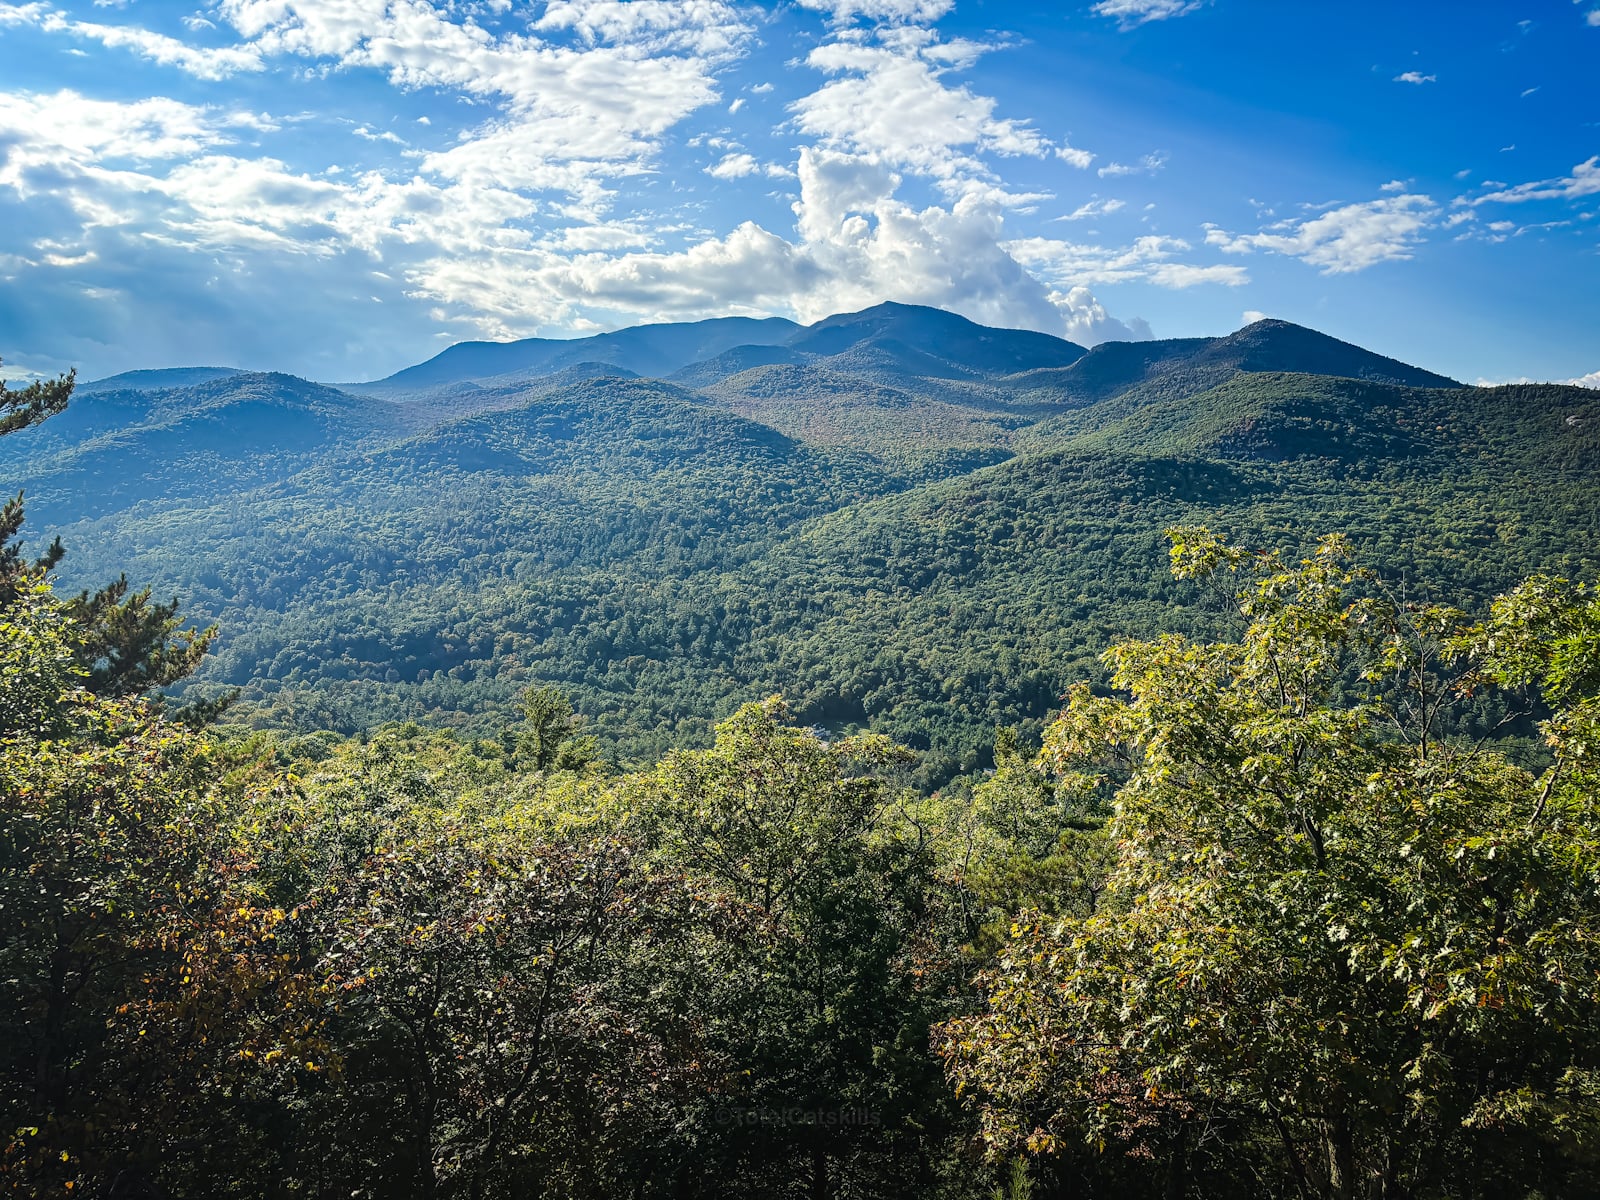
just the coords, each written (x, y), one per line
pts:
(1088, 322)
(897, 11)
(1592, 379)
(890, 99)
(514, 226)
(361, 131)
(641, 67)
(1148, 259)
(1131, 13)
(201, 62)
(1415, 77)
(1073, 156)
(1148, 165)
(1092, 208)
(738, 166)
(1584, 181)
(1351, 237)
(734, 166)
(68, 131)
(1394, 185)
(857, 244)
(1250, 316)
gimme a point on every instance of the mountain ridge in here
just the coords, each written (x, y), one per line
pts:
(904, 534)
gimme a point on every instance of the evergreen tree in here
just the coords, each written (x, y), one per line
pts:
(128, 645)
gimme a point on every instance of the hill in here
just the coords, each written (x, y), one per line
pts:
(155, 381)
(654, 350)
(112, 450)
(899, 519)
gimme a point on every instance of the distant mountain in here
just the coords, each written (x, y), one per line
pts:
(901, 519)
(114, 449)
(932, 342)
(1281, 417)
(155, 381)
(651, 350)
(735, 361)
(888, 340)
(1281, 346)
(1184, 366)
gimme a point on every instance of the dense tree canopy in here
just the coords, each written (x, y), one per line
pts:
(1339, 954)
(1301, 902)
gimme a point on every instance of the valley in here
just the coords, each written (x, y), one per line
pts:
(898, 519)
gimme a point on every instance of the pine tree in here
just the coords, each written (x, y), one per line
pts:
(128, 645)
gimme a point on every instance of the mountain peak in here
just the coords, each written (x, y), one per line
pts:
(1274, 345)
(915, 331)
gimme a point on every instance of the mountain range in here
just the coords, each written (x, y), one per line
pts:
(899, 518)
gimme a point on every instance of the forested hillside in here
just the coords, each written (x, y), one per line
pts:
(898, 519)
(804, 777)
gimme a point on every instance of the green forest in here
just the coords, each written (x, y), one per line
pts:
(1155, 771)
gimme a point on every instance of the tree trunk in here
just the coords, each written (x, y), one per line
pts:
(819, 1173)
(1178, 1166)
(1340, 1146)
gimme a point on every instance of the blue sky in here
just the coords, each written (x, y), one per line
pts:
(339, 188)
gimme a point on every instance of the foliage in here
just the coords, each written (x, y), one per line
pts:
(1337, 954)
(102, 834)
(1300, 901)
(819, 1012)
(20, 408)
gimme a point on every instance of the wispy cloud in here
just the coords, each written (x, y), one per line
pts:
(1092, 208)
(1150, 259)
(897, 11)
(1415, 77)
(1584, 181)
(1342, 240)
(201, 62)
(1130, 14)
(1148, 165)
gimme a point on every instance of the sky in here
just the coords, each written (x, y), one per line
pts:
(340, 188)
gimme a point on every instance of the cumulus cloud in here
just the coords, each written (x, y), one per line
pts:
(1132, 13)
(1351, 237)
(857, 243)
(72, 132)
(892, 99)
(1592, 379)
(739, 165)
(516, 225)
(1415, 77)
